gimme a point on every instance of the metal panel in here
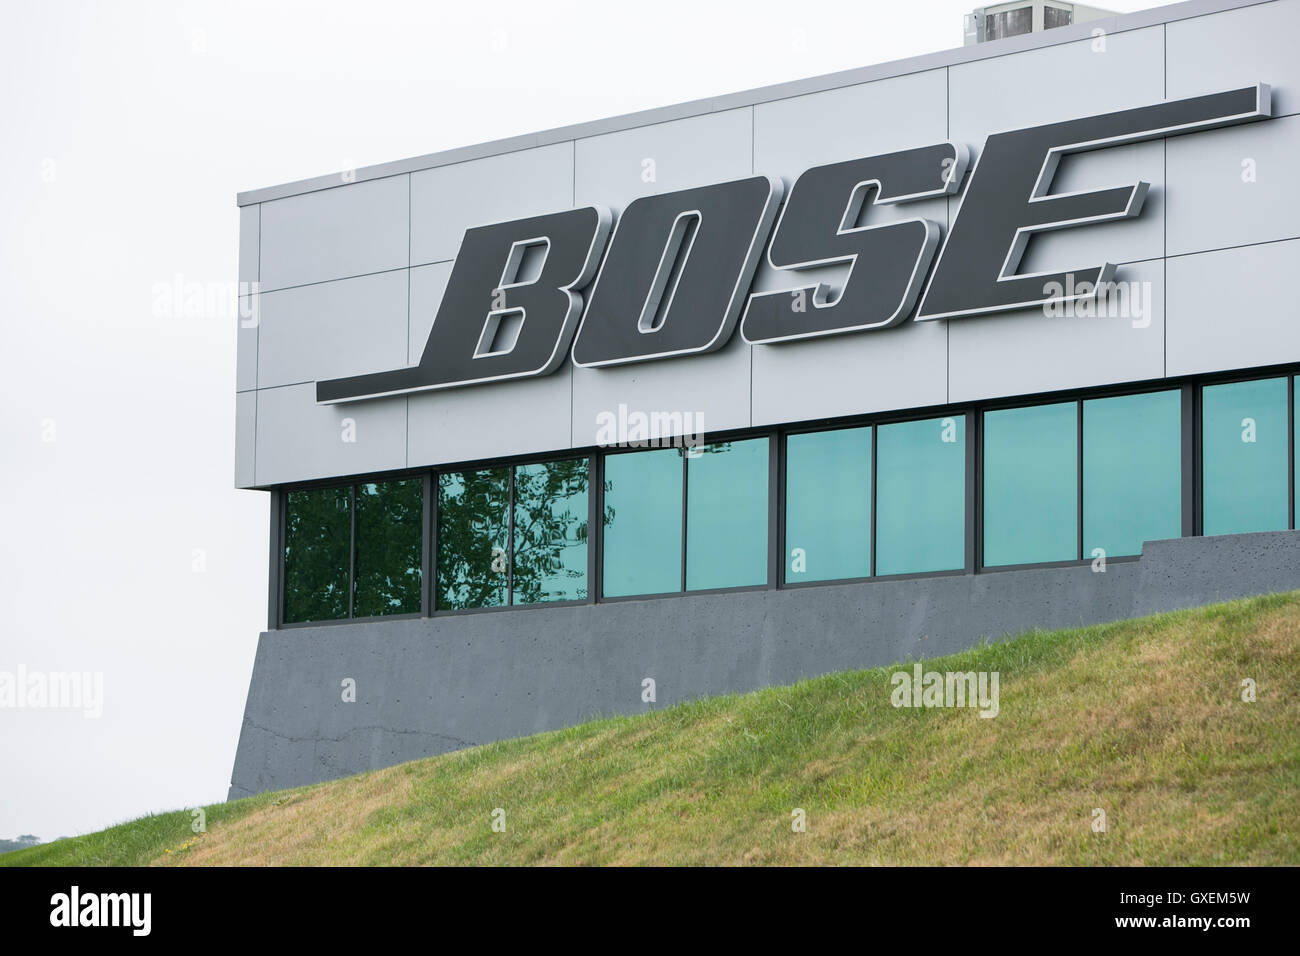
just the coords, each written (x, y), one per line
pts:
(794, 134)
(246, 332)
(1234, 186)
(616, 168)
(714, 386)
(245, 438)
(298, 440)
(1019, 353)
(448, 200)
(487, 421)
(332, 329)
(250, 236)
(428, 283)
(885, 369)
(1235, 48)
(1233, 309)
(349, 231)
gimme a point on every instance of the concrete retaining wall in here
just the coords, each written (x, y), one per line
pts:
(432, 685)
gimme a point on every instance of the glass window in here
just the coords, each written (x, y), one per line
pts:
(726, 514)
(1054, 17)
(1244, 457)
(473, 538)
(1132, 471)
(317, 561)
(921, 496)
(828, 505)
(1008, 23)
(390, 522)
(643, 522)
(550, 537)
(1031, 484)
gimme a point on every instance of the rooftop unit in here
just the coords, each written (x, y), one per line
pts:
(1025, 16)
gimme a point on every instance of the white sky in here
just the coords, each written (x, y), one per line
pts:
(126, 130)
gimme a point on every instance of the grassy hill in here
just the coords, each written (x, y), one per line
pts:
(1143, 719)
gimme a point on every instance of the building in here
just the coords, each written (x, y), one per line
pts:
(812, 377)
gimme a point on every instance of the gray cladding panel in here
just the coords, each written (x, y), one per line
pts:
(1233, 309)
(450, 199)
(1237, 186)
(352, 230)
(331, 329)
(1220, 51)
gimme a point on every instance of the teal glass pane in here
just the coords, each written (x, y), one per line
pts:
(643, 523)
(317, 545)
(1244, 457)
(828, 505)
(1132, 472)
(921, 496)
(473, 538)
(550, 532)
(1031, 484)
(726, 515)
(390, 525)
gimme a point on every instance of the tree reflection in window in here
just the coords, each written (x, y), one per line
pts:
(550, 533)
(473, 538)
(390, 522)
(317, 536)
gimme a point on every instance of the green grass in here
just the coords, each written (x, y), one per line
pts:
(1143, 719)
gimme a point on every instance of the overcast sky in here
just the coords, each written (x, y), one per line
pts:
(127, 129)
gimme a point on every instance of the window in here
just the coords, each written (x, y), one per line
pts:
(1244, 457)
(353, 551)
(1008, 23)
(317, 530)
(486, 560)
(726, 515)
(921, 496)
(550, 536)
(1031, 484)
(723, 489)
(473, 538)
(389, 528)
(643, 522)
(1132, 471)
(828, 505)
(1054, 17)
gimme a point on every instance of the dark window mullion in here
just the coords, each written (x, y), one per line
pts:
(1188, 460)
(595, 526)
(510, 538)
(1078, 415)
(775, 509)
(1290, 450)
(686, 454)
(429, 544)
(352, 550)
(875, 484)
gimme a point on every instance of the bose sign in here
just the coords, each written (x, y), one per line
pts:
(676, 277)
